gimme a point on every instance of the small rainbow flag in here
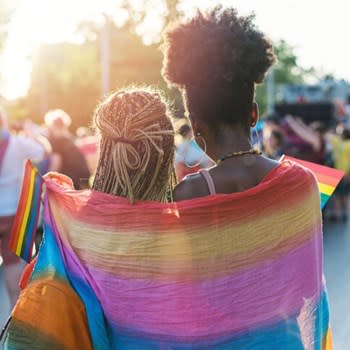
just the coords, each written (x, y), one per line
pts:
(327, 178)
(27, 215)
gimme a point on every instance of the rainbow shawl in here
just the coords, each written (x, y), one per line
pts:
(240, 271)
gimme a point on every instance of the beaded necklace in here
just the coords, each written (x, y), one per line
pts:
(239, 153)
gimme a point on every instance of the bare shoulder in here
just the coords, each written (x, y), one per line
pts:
(190, 187)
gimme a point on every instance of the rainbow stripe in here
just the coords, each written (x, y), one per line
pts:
(327, 178)
(239, 271)
(26, 220)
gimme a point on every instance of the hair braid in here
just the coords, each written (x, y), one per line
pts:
(136, 146)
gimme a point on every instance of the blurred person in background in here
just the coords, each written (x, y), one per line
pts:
(14, 151)
(189, 157)
(340, 143)
(274, 144)
(37, 132)
(347, 111)
(87, 143)
(304, 141)
(66, 156)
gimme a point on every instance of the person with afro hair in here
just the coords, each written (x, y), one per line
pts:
(216, 59)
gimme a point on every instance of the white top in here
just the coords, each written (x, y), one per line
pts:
(19, 149)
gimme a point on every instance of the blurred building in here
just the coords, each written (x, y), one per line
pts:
(325, 91)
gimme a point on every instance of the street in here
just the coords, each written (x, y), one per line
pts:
(337, 268)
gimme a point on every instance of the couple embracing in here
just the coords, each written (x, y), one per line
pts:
(229, 258)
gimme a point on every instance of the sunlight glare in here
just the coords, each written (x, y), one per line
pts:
(49, 21)
(150, 29)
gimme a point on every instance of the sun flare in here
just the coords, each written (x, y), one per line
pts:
(49, 21)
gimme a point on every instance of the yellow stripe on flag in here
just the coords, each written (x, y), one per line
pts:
(26, 213)
(326, 189)
(327, 340)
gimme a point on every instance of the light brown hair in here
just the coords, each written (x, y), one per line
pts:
(136, 145)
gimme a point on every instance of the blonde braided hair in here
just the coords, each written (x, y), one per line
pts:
(136, 146)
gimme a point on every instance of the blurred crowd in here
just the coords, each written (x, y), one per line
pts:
(52, 147)
(317, 142)
(76, 155)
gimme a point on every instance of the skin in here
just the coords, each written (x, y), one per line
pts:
(235, 174)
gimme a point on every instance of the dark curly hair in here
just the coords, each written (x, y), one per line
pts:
(216, 58)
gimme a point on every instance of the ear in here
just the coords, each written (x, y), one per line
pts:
(254, 114)
(195, 127)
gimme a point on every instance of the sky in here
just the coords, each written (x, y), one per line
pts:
(317, 29)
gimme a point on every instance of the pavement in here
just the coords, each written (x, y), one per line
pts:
(4, 300)
(337, 270)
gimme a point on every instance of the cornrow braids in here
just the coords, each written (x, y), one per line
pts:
(136, 146)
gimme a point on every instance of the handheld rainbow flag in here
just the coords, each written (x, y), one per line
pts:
(27, 215)
(327, 178)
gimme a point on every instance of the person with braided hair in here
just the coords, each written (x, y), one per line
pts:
(136, 146)
(136, 161)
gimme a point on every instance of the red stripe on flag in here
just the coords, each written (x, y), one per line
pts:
(21, 207)
(320, 169)
(327, 180)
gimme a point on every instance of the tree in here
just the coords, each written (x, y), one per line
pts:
(64, 76)
(286, 71)
(67, 75)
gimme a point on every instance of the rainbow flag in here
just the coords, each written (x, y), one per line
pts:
(234, 271)
(27, 215)
(327, 178)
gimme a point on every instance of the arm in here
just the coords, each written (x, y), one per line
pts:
(304, 132)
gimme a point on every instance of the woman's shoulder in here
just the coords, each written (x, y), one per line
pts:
(297, 177)
(191, 186)
(295, 169)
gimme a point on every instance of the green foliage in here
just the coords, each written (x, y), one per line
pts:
(64, 76)
(286, 71)
(68, 76)
(261, 98)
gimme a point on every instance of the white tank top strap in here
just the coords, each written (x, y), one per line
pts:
(209, 180)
